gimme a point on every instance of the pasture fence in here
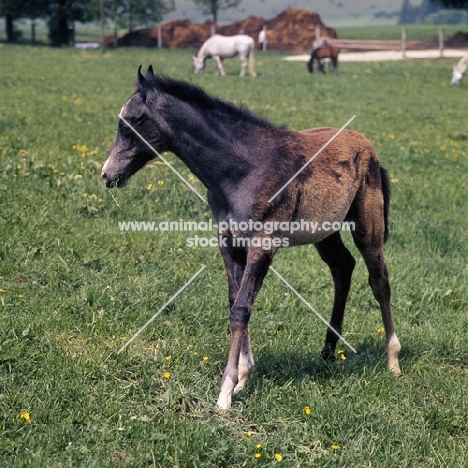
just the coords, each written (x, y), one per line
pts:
(403, 45)
(36, 33)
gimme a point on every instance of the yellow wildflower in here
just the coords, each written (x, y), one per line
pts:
(205, 358)
(278, 457)
(166, 375)
(258, 451)
(307, 410)
(168, 358)
(335, 447)
(249, 434)
(380, 330)
(25, 416)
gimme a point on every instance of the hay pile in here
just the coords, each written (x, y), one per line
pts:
(292, 30)
(460, 38)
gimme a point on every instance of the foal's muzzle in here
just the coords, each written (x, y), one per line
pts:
(110, 182)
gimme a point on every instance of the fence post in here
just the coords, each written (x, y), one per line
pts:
(403, 42)
(441, 42)
(159, 36)
(33, 33)
(213, 29)
(103, 26)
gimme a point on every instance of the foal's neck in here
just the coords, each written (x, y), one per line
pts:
(222, 146)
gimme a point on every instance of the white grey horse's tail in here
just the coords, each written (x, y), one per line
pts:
(252, 62)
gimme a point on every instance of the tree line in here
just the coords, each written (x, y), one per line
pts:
(429, 10)
(61, 15)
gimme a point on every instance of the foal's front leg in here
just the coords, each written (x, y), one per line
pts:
(240, 360)
(235, 260)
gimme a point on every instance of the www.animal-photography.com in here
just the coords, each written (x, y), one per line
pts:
(233, 234)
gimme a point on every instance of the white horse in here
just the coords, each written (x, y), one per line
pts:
(218, 47)
(459, 69)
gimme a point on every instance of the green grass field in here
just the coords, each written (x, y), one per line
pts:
(74, 289)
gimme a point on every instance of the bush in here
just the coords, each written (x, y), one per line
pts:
(447, 17)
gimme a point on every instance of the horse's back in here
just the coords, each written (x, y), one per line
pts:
(240, 39)
(344, 162)
(226, 46)
(462, 64)
(345, 170)
(345, 145)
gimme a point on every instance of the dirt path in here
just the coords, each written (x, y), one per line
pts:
(385, 55)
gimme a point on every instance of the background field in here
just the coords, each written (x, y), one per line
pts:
(92, 33)
(74, 289)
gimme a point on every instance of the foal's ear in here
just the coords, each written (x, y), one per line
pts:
(150, 72)
(141, 83)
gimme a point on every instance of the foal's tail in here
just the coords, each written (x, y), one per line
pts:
(252, 62)
(385, 182)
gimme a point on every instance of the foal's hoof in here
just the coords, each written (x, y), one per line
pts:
(327, 354)
(395, 370)
(224, 402)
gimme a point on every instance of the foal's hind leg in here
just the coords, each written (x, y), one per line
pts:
(341, 263)
(368, 237)
(378, 280)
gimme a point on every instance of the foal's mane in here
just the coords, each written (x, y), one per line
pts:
(195, 95)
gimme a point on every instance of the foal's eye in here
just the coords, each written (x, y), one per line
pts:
(125, 130)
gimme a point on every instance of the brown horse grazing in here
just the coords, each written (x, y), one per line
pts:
(320, 53)
(247, 164)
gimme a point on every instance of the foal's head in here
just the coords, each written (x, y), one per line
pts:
(138, 137)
